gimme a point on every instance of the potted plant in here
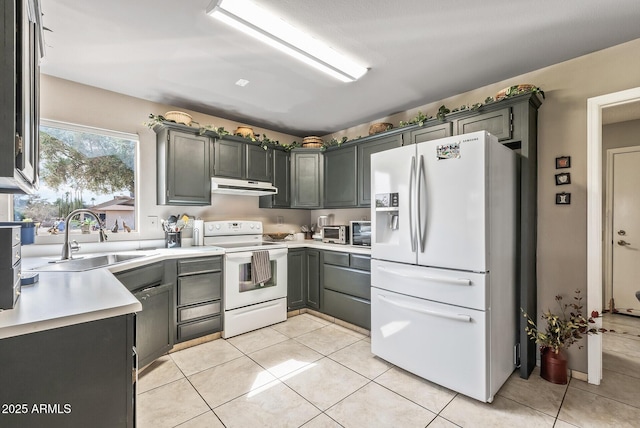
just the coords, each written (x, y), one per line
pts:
(562, 330)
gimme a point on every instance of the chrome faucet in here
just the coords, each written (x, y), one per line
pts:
(66, 247)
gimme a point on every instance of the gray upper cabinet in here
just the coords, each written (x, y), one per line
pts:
(306, 178)
(498, 123)
(235, 157)
(365, 151)
(21, 47)
(229, 159)
(183, 161)
(258, 163)
(429, 133)
(341, 178)
(281, 179)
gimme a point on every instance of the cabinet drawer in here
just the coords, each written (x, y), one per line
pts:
(200, 311)
(335, 258)
(199, 328)
(9, 286)
(191, 266)
(348, 308)
(359, 261)
(199, 288)
(9, 256)
(142, 277)
(349, 281)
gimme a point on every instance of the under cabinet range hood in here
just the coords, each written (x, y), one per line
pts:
(230, 186)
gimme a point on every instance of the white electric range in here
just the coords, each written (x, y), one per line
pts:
(248, 306)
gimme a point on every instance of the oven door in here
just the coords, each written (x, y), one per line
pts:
(239, 290)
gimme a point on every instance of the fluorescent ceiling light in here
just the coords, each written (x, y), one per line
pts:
(251, 19)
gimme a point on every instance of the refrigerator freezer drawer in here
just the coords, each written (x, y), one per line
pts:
(444, 344)
(458, 288)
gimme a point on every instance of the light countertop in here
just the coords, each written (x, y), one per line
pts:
(61, 299)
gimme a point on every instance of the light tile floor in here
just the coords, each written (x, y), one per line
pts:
(308, 372)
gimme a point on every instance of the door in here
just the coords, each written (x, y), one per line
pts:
(444, 344)
(239, 289)
(281, 178)
(296, 279)
(365, 150)
(258, 163)
(229, 159)
(625, 239)
(312, 264)
(430, 133)
(340, 178)
(306, 179)
(393, 212)
(188, 169)
(451, 193)
(498, 123)
(153, 324)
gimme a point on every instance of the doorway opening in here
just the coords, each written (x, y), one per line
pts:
(595, 260)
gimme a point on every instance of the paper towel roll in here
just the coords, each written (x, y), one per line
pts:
(198, 232)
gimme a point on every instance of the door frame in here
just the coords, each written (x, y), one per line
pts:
(608, 230)
(595, 106)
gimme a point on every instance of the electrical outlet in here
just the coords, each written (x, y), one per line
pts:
(152, 222)
(280, 219)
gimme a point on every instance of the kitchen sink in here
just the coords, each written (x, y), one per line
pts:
(87, 263)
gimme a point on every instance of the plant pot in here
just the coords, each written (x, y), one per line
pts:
(553, 367)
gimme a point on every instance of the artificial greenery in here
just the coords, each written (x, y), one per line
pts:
(420, 119)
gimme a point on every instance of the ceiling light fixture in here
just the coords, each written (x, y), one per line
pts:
(251, 19)
(242, 82)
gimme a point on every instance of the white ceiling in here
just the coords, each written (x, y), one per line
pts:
(418, 51)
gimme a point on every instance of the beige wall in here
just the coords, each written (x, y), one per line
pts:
(562, 130)
(67, 101)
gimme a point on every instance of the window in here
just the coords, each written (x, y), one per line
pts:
(82, 167)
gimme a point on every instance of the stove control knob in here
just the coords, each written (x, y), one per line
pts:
(218, 226)
(210, 227)
(258, 226)
(250, 226)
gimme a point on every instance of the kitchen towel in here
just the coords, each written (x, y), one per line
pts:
(260, 267)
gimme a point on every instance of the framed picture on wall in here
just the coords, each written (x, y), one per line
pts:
(563, 178)
(563, 162)
(563, 198)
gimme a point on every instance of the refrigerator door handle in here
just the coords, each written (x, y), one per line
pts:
(422, 234)
(412, 176)
(448, 315)
(458, 281)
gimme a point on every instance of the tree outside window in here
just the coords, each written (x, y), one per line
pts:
(82, 167)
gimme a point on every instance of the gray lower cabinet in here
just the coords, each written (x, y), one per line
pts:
(307, 184)
(346, 287)
(365, 150)
(296, 279)
(303, 279)
(199, 297)
(154, 324)
(341, 178)
(76, 376)
(281, 179)
(313, 262)
(183, 166)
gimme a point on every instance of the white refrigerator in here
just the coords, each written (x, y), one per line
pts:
(443, 271)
